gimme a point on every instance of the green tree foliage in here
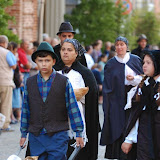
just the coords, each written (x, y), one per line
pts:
(103, 19)
(129, 30)
(96, 19)
(4, 18)
(148, 24)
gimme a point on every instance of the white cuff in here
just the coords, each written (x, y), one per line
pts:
(137, 80)
(128, 141)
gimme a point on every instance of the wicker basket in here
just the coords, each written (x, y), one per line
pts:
(80, 92)
(31, 158)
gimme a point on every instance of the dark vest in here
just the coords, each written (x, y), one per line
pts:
(51, 114)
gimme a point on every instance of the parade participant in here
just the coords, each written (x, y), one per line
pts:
(81, 76)
(146, 114)
(66, 32)
(120, 75)
(48, 102)
(108, 46)
(142, 45)
(89, 59)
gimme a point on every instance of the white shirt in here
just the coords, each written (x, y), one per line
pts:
(128, 71)
(89, 60)
(77, 82)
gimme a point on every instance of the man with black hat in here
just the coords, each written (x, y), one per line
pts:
(142, 45)
(66, 32)
(48, 102)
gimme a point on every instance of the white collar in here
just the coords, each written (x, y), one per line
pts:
(123, 60)
(147, 83)
(158, 79)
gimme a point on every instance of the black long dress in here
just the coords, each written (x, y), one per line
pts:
(90, 151)
(148, 146)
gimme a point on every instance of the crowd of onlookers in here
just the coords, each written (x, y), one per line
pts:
(18, 59)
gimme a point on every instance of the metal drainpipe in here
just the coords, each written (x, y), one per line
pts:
(41, 20)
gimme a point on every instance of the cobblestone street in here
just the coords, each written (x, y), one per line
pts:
(9, 142)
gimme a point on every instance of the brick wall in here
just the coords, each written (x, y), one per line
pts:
(157, 7)
(26, 18)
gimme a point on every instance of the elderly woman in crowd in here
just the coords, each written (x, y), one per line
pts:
(121, 73)
(80, 77)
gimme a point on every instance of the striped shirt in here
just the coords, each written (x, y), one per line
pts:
(71, 105)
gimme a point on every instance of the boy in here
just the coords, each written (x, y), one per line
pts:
(48, 100)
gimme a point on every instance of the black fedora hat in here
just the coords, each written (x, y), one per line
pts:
(44, 46)
(66, 27)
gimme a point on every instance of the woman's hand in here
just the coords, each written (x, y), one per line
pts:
(130, 77)
(126, 147)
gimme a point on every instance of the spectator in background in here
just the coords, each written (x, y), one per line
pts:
(16, 111)
(102, 62)
(96, 69)
(34, 68)
(35, 45)
(154, 47)
(14, 31)
(54, 42)
(100, 42)
(24, 64)
(108, 46)
(7, 64)
(46, 38)
(89, 59)
(112, 53)
(96, 51)
(142, 45)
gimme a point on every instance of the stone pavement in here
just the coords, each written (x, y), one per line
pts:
(9, 142)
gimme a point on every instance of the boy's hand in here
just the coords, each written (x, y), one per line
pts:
(129, 77)
(22, 140)
(126, 147)
(80, 142)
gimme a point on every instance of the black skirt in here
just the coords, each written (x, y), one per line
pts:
(156, 137)
(114, 151)
(145, 138)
